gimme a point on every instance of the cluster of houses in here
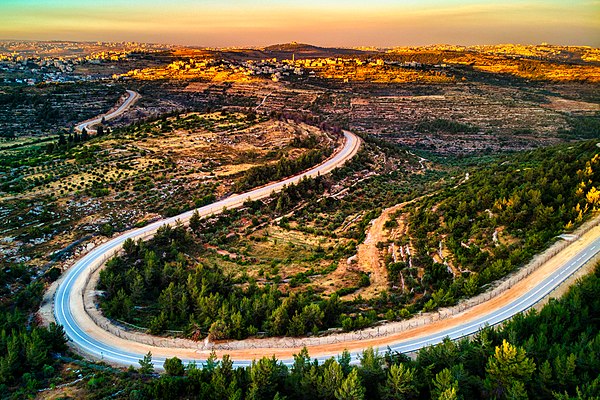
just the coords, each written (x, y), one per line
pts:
(49, 62)
(271, 67)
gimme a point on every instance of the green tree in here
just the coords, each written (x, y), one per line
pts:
(507, 370)
(129, 247)
(224, 381)
(55, 337)
(351, 388)
(344, 360)
(333, 376)
(517, 391)
(158, 324)
(301, 362)
(545, 381)
(146, 364)
(371, 370)
(280, 319)
(107, 230)
(11, 363)
(218, 330)
(212, 363)
(137, 289)
(444, 385)
(36, 352)
(120, 306)
(61, 139)
(448, 394)
(400, 383)
(265, 376)
(565, 369)
(195, 221)
(174, 367)
(312, 317)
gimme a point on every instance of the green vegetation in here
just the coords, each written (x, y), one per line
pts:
(184, 287)
(157, 276)
(445, 126)
(220, 122)
(582, 127)
(282, 303)
(495, 221)
(553, 353)
(127, 176)
(273, 267)
(26, 350)
(285, 167)
(44, 109)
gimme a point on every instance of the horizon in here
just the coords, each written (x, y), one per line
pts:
(331, 23)
(317, 45)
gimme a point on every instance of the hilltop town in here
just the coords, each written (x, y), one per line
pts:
(328, 196)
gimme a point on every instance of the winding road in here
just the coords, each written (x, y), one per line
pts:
(132, 97)
(95, 342)
(68, 300)
(523, 303)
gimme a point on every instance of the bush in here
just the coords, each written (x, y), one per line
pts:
(174, 367)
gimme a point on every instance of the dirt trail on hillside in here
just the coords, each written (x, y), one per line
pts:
(369, 258)
(265, 347)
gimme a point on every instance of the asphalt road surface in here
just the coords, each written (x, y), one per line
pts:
(92, 340)
(523, 303)
(68, 302)
(131, 98)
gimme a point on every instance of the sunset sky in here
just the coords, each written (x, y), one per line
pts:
(322, 22)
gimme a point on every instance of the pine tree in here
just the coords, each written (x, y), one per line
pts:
(61, 139)
(195, 221)
(400, 383)
(264, 378)
(351, 388)
(129, 247)
(146, 364)
(506, 369)
(137, 289)
(448, 394)
(333, 376)
(444, 385)
(344, 360)
(371, 370)
(223, 380)
(36, 352)
(55, 338)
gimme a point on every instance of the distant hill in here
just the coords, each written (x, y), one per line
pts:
(308, 50)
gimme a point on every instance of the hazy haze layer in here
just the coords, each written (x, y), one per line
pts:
(328, 22)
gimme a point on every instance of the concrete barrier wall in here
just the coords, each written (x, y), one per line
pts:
(383, 330)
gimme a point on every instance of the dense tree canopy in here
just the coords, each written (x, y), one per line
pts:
(553, 353)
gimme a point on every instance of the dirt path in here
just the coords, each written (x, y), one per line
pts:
(369, 258)
(381, 336)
